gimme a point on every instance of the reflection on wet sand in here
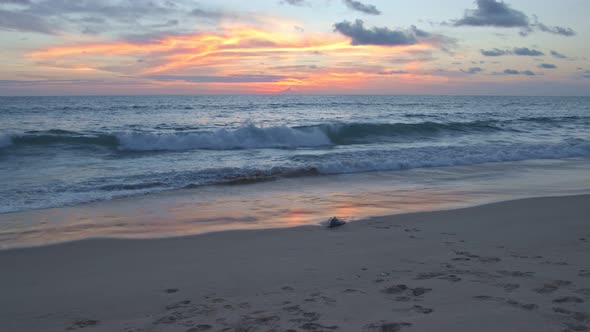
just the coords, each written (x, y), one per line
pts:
(282, 203)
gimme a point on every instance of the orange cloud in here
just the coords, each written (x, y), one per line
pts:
(306, 61)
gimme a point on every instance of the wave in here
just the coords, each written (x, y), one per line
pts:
(557, 119)
(253, 137)
(246, 137)
(56, 136)
(436, 156)
(301, 165)
(354, 133)
(305, 165)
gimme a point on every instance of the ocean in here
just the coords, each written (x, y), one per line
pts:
(60, 153)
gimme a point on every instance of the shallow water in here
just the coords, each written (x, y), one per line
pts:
(295, 201)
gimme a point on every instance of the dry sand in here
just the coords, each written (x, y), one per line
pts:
(514, 266)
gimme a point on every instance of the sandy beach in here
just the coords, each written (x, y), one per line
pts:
(512, 266)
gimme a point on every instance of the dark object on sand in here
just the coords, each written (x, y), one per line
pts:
(335, 222)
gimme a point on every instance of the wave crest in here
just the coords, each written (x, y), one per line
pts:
(247, 137)
(253, 137)
(351, 133)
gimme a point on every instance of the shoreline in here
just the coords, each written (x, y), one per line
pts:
(294, 202)
(319, 224)
(500, 266)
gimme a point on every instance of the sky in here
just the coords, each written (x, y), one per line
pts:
(455, 47)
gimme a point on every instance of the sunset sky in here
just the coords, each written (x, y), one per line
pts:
(487, 47)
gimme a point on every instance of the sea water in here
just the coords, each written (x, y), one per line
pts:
(64, 152)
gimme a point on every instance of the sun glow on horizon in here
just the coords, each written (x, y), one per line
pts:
(243, 58)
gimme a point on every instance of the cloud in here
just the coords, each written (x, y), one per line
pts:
(547, 66)
(68, 82)
(493, 52)
(515, 72)
(221, 79)
(568, 32)
(299, 3)
(17, 21)
(375, 36)
(522, 51)
(388, 37)
(527, 52)
(120, 10)
(16, 2)
(393, 72)
(558, 55)
(86, 16)
(361, 7)
(495, 13)
(167, 24)
(473, 70)
(412, 56)
(206, 13)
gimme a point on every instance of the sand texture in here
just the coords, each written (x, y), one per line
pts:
(513, 266)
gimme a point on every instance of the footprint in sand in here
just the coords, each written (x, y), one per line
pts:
(569, 299)
(428, 275)
(525, 306)
(403, 299)
(293, 309)
(351, 290)
(317, 327)
(437, 275)
(519, 274)
(466, 254)
(411, 230)
(576, 328)
(489, 259)
(403, 289)
(82, 323)
(171, 290)
(180, 304)
(510, 287)
(576, 315)
(547, 288)
(583, 291)
(421, 309)
(384, 326)
(200, 327)
(552, 287)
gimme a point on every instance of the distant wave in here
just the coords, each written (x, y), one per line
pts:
(557, 119)
(57, 136)
(253, 137)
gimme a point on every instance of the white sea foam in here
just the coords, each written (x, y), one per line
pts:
(246, 137)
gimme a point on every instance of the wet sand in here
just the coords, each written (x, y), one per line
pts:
(520, 265)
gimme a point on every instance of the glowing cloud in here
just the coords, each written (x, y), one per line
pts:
(259, 60)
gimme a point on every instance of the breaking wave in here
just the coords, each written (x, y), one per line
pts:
(253, 137)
